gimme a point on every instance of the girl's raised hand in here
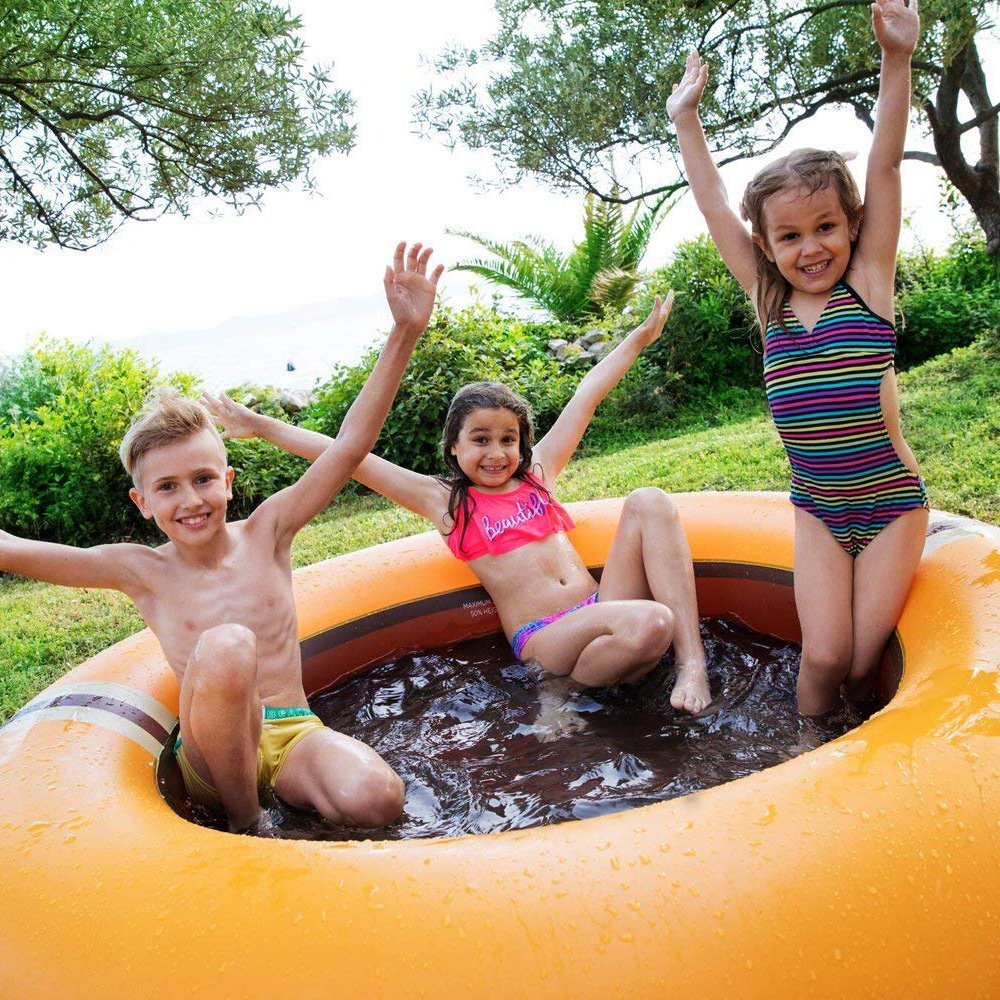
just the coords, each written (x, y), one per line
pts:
(408, 290)
(896, 25)
(686, 95)
(235, 419)
(651, 327)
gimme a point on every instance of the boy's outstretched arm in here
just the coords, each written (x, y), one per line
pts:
(897, 27)
(410, 294)
(728, 232)
(557, 447)
(107, 566)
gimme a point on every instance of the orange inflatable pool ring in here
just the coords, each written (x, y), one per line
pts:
(867, 867)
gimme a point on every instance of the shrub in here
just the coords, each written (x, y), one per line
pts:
(468, 345)
(945, 300)
(60, 476)
(709, 342)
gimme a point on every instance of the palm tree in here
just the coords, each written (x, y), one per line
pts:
(601, 271)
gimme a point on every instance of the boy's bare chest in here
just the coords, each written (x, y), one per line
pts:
(255, 593)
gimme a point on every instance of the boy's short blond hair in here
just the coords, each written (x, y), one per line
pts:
(166, 417)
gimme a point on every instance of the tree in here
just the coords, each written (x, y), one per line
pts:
(126, 109)
(601, 271)
(574, 90)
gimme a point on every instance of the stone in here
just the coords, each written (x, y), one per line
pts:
(599, 348)
(591, 337)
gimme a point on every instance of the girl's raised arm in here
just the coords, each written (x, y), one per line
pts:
(897, 28)
(424, 495)
(557, 447)
(728, 232)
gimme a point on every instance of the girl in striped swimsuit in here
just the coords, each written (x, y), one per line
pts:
(823, 287)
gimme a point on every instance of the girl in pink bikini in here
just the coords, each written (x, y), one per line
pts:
(497, 512)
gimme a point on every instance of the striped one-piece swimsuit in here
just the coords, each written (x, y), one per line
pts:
(823, 386)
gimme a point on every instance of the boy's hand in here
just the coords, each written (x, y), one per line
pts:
(686, 95)
(408, 290)
(652, 326)
(235, 419)
(896, 25)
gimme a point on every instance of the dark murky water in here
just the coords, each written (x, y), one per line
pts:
(485, 743)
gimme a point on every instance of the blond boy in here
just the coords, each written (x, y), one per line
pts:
(218, 594)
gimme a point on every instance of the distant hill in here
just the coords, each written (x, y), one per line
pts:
(258, 349)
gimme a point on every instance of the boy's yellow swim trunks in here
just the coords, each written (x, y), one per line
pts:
(282, 729)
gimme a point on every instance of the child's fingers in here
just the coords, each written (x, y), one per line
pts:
(388, 279)
(423, 259)
(436, 274)
(397, 257)
(413, 256)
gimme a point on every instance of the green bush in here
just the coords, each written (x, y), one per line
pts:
(26, 384)
(710, 342)
(945, 300)
(60, 476)
(468, 345)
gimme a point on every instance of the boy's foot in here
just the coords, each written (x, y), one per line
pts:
(691, 693)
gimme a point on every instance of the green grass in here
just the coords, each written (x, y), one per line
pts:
(951, 412)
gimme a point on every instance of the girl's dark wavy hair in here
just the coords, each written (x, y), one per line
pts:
(812, 170)
(484, 396)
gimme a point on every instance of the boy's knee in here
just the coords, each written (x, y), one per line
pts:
(225, 657)
(378, 797)
(652, 502)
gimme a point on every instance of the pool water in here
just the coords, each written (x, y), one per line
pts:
(485, 743)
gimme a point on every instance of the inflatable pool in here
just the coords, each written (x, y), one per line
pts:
(865, 867)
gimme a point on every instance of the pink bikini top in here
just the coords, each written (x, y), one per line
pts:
(500, 522)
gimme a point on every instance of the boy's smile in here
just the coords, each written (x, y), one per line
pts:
(186, 488)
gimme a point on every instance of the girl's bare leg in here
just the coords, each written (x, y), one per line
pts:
(882, 577)
(220, 718)
(611, 642)
(824, 586)
(650, 558)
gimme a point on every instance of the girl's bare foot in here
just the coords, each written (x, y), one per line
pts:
(691, 692)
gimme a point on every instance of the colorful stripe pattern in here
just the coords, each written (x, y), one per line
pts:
(823, 389)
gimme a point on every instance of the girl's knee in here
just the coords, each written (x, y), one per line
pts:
(650, 501)
(827, 663)
(651, 631)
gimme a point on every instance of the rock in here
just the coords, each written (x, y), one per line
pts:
(566, 351)
(555, 344)
(292, 401)
(591, 337)
(599, 348)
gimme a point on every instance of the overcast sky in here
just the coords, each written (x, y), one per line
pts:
(191, 274)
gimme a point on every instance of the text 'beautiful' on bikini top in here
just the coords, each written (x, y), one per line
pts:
(501, 522)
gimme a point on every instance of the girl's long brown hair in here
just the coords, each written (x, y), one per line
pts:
(809, 169)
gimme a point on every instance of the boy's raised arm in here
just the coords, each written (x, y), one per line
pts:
(410, 293)
(106, 566)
